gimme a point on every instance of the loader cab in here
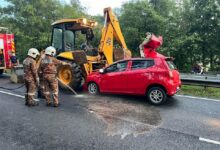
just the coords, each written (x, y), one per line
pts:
(70, 34)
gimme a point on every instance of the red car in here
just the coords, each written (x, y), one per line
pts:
(155, 78)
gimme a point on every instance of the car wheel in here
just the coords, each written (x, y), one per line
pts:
(93, 88)
(156, 95)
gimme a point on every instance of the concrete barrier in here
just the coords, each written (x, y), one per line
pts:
(17, 73)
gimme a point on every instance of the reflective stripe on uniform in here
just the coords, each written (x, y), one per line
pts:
(31, 94)
(46, 93)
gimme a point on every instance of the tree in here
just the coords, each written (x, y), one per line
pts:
(138, 17)
(31, 20)
(207, 26)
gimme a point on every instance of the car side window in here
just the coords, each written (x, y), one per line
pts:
(120, 66)
(111, 68)
(141, 64)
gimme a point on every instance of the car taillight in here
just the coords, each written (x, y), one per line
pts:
(171, 74)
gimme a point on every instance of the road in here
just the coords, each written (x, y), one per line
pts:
(107, 122)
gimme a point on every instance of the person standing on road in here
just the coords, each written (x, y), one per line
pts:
(30, 76)
(14, 60)
(40, 92)
(48, 67)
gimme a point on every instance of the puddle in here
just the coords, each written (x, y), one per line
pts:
(125, 117)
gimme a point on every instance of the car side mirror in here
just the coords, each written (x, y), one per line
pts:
(102, 71)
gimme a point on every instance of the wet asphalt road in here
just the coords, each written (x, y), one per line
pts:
(107, 122)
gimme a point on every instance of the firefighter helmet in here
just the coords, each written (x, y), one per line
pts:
(50, 51)
(33, 52)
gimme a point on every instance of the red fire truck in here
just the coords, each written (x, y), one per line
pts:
(7, 49)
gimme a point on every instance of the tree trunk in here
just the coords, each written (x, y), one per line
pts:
(211, 56)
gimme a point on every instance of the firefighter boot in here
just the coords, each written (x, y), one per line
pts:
(26, 100)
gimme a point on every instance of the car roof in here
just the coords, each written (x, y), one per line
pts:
(138, 58)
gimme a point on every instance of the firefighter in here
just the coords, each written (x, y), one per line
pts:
(48, 67)
(40, 74)
(30, 76)
(146, 40)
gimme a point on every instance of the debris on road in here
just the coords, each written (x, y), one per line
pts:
(124, 118)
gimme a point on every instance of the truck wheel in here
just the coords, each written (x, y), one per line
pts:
(1, 71)
(71, 76)
(156, 95)
(93, 88)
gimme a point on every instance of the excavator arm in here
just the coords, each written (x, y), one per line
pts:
(110, 32)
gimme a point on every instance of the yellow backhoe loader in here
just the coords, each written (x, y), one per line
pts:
(67, 35)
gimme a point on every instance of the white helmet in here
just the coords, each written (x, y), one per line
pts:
(33, 52)
(50, 51)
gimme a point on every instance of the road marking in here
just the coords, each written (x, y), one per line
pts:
(16, 95)
(209, 141)
(199, 98)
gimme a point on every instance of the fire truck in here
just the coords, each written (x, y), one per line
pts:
(7, 49)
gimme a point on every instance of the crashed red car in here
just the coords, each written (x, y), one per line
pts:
(156, 78)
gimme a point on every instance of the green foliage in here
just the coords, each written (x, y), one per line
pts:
(190, 30)
(97, 30)
(30, 21)
(200, 91)
(138, 17)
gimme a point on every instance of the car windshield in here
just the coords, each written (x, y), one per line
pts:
(69, 36)
(171, 65)
(57, 38)
(68, 40)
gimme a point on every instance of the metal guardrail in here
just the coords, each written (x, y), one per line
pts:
(201, 80)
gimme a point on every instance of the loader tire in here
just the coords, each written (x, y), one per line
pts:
(71, 76)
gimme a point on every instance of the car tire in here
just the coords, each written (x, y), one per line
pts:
(93, 88)
(156, 95)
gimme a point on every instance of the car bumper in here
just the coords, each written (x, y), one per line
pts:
(173, 89)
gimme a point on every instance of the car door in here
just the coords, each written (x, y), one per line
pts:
(139, 76)
(113, 80)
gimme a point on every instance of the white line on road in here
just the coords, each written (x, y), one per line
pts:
(209, 141)
(199, 98)
(16, 95)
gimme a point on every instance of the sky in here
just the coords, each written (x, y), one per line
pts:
(95, 7)
(3, 2)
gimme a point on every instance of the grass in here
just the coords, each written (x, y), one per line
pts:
(208, 92)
